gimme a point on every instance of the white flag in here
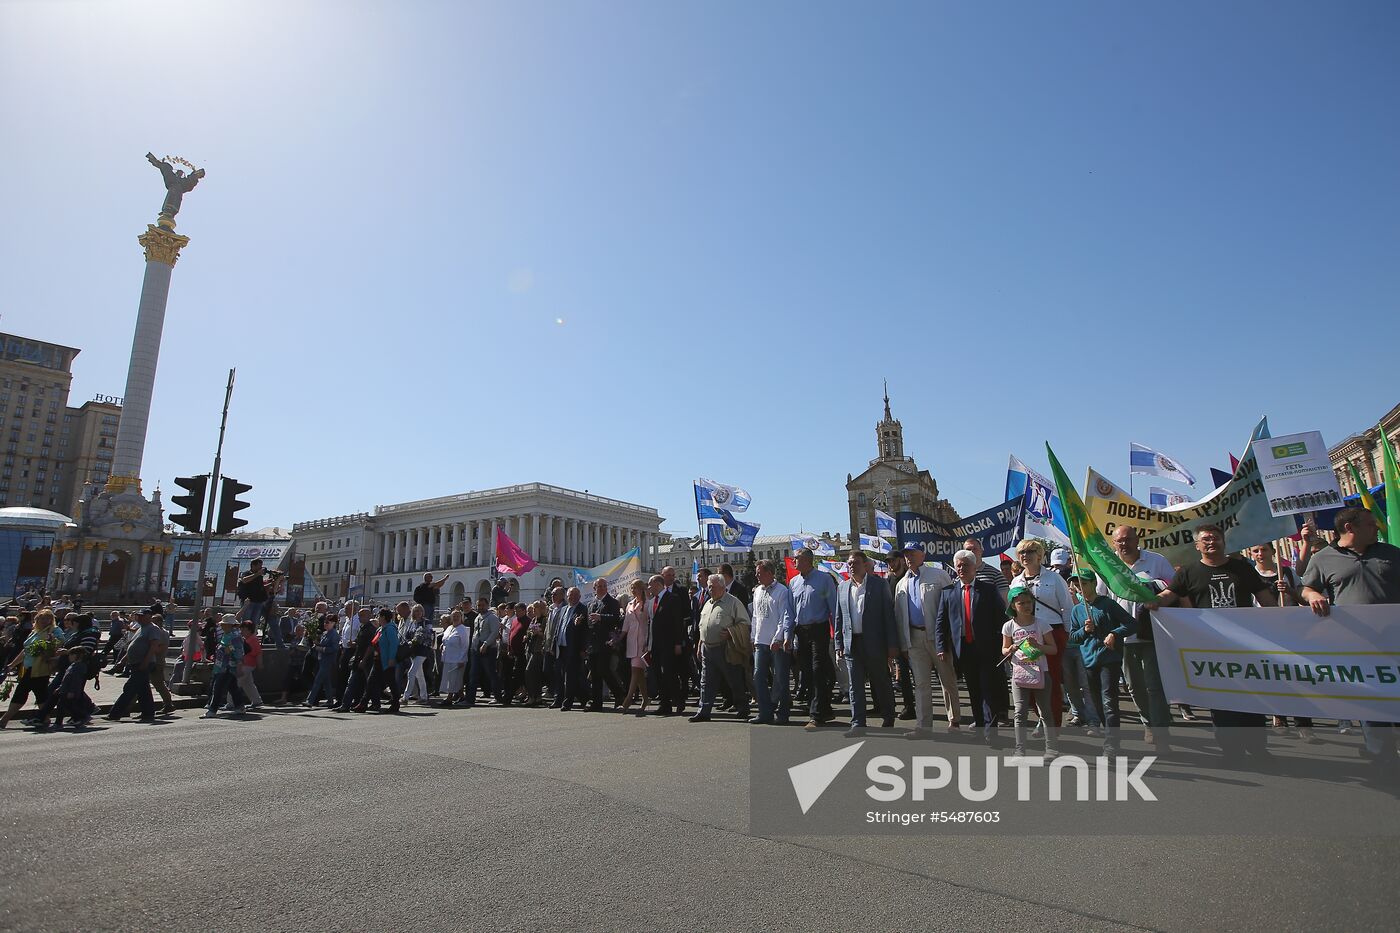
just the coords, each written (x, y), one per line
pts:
(1146, 460)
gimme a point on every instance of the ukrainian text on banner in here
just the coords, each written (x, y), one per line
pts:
(1285, 662)
(1240, 507)
(995, 528)
(619, 572)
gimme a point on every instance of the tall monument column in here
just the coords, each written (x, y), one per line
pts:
(162, 248)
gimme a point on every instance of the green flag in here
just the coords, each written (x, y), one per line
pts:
(1367, 499)
(1090, 548)
(1392, 489)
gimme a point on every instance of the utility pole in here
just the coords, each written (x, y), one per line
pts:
(213, 488)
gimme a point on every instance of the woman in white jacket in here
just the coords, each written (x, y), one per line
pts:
(418, 635)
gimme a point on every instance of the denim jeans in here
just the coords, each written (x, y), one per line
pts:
(325, 678)
(1103, 690)
(864, 667)
(1078, 686)
(716, 667)
(257, 612)
(483, 673)
(775, 691)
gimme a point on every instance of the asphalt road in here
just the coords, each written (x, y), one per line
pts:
(538, 819)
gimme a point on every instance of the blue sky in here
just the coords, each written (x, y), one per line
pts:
(1088, 223)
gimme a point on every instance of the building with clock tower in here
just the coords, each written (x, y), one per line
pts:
(892, 482)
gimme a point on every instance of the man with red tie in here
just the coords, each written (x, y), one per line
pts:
(670, 617)
(968, 629)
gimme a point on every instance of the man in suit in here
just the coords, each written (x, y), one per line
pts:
(553, 664)
(573, 644)
(738, 589)
(916, 600)
(970, 617)
(670, 619)
(867, 639)
(604, 621)
(486, 637)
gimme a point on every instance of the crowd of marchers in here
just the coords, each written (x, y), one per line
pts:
(1037, 646)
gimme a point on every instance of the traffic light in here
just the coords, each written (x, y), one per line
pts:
(229, 504)
(193, 517)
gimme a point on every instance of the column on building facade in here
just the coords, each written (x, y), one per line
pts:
(400, 551)
(477, 540)
(491, 544)
(1368, 464)
(556, 532)
(442, 546)
(535, 537)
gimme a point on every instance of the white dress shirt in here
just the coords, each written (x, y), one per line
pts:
(857, 606)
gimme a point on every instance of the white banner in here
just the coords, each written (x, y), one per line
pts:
(1240, 507)
(1286, 662)
(1298, 474)
(188, 571)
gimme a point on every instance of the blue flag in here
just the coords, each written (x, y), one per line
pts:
(884, 524)
(1143, 459)
(705, 510)
(730, 534)
(817, 546)
(872, 543)
(1042, 515)
(1160, 498)
(723, 496)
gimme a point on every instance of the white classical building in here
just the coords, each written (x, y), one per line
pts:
(687, 553)
(388, 552)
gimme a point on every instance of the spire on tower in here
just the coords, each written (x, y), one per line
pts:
(888, 417)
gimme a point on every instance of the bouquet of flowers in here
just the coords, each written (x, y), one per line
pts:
(41, 647)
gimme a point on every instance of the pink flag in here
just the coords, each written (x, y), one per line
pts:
(510, 557)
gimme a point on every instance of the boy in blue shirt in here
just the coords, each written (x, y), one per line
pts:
(1098, 626)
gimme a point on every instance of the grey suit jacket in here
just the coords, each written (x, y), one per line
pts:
(932, 581)
(487, 630)
(879, 629)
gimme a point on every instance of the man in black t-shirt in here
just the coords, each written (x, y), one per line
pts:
(425, 594)
(1226, 581)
